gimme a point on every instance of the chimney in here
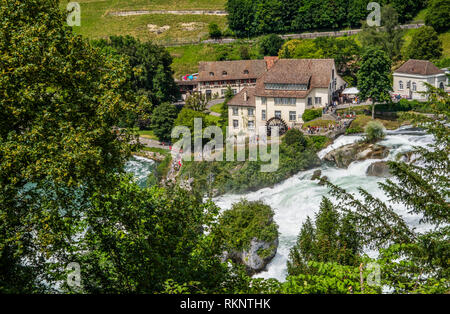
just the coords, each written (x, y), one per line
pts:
(270, 61)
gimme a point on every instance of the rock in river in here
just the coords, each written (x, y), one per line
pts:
(379, 169)
(345, 155)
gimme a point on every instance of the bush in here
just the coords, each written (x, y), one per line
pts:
(270, 45)
(438, 15)
(295, 138)
(247, 220)
(214, 31)
(311, 114)
(374, 131)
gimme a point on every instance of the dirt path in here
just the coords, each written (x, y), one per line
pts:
(176, 12)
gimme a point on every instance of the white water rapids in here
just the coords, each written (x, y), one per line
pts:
(298, 197)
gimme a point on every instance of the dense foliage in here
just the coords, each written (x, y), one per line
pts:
(373, 132)
(332, 238)
(60, 102)
(374, 77)
(255, 17)
(345, 51)
(311, 114)
(425, 44)
(219, 177)
(151, 76)
(269, 45)
(162, 120)
(387, 37)
(245, 221)
(438, 15)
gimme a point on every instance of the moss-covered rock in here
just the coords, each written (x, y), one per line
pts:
(251, 234)
(345, 155)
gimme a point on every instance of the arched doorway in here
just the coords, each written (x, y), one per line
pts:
(282, 126)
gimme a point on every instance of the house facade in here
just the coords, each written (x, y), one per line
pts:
(409, 79)
(283, 93)
(215, 77)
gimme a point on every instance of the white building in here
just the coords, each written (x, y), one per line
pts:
(409, 79)
(282, 94)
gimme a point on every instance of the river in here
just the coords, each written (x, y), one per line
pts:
(296, 198)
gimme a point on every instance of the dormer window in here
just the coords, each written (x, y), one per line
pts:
(211, 73)
(246, 72)
(224, 73)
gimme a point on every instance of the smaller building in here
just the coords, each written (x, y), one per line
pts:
(409, 79)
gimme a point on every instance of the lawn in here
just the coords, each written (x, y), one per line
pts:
(146, 133)
(216, 108)
(361, 120)
(97, 23)
(186, 58)
(319, 123)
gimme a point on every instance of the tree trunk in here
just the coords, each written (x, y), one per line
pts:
(373, 109)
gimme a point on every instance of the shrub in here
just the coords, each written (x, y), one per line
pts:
(269, 45)
(214, 31)
(296, 139)
(311, 114)
(374, 131)
(247, 220)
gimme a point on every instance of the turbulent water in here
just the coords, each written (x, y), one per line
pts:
(298, 197)
(141, 168)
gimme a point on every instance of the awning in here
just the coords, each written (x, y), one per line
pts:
(350, 91)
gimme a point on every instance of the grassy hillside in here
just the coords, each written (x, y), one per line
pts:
(96, 21)
(186, 58)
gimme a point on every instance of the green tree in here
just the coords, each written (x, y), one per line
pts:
(332, 238)
(438, 15)
(214, 31)
(388, 36)
(61, 100)
(374, 131)
(425, 44)
(197, 102)
(411, 261)
(374, 80)
(269, 45)
(300, 49)
(244, 53)
(147, 237)
(163, 118)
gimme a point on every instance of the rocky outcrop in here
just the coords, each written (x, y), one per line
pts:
(379, 169)
(256, 257)
(345, 155)
(150, 155)
(316, 175)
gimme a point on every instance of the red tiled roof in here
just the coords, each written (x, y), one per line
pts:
(239, 98)
(234, 70)
(419, 67)
(316, 73)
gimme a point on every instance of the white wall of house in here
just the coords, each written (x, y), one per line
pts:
(243, 118)
(220, 89)
(400, 84)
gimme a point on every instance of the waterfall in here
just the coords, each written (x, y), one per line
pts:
(141, 168)
(298, 197)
